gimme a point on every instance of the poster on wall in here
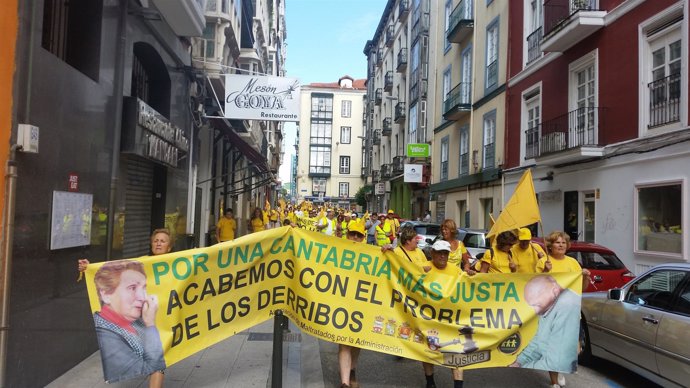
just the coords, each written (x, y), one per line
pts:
(70, 224)
(253, 97)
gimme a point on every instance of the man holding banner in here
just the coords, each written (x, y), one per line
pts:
(439, 260)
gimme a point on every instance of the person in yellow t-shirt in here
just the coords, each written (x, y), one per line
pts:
(394, 223)
(226, 227)
(439, 264)
(458, 256)
(526, 253)
(557, 243)
(407, 249)
(348, 355)
(499, 258)
(257, 223)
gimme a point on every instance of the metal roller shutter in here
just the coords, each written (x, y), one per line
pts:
(138, 207)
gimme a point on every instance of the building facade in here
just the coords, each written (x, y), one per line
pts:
(328, 142)
(398, 88)
(468, 117)
(604, 125)
(102, 111)
(239, 158)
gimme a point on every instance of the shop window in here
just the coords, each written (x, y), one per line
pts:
(659, 212)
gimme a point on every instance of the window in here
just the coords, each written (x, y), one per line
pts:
(319, 160)
(345, 135)
(344, 164)
(321, 120)
(444, 158)
(414, 56)
(72, 32)
(209, 41)
(534, 31)
(448, 11)
(413, 124)
(682, 304)
(318, 187)
(466, 89)
(344, 190)
(322, 106)
(491, 56)
(346, 108)
(531, 123)
(464, 166)
(659, 212)
(664, 80)
(656, 289)
(446, 83)
(583, 127)
(489, 140)
(488, 210)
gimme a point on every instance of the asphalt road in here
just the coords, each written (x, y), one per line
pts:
(378, 370)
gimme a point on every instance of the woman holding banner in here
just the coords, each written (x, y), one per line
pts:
(126, 329)
(499, 259)
(557, 243)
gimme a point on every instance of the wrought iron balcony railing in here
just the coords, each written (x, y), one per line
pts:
(534, 45)
(399, 112)
(664, 101)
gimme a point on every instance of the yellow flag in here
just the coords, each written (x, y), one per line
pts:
(521, 210)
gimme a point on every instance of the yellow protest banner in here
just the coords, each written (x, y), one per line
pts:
(337, 290)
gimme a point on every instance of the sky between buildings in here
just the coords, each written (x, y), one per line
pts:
(325, 40)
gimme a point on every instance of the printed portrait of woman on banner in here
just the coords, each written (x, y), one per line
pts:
(125, 326)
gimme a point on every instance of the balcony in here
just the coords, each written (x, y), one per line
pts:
(376, 175)
(386, 171)
(388, 81)
(376, 138)
(390, 35)
(365, 172)
(464, 164)
(567, 22)
(398, 165)
(378, 96)
(664, 101)
(571, 137)
(458, 102)
(534, 45)
(403, 9)
(400, 110)
(461, 23)
(379, 57)
(387, 127)
(185, 17)
(364, 117)
(402, 60)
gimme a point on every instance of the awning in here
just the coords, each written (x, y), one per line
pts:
(247, 150)
(230, 128)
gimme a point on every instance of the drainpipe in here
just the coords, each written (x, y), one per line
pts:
(116, 129)
(6, 265)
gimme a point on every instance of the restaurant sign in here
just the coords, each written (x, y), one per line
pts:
(146, 133)
(253, 97)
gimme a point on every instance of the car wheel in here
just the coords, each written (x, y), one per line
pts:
(585, 347)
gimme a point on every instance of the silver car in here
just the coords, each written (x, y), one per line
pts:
(427, 230)
(643, 326)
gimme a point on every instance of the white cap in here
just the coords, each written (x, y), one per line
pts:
(441, 245)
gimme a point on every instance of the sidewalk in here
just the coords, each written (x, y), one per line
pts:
(243, 360)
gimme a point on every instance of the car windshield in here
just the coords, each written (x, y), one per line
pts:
(596, 260)
(475, 241)
(428, 230)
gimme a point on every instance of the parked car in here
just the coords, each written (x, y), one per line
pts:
(426, 230)
(474, 239)
(643, 326)
(607, 270)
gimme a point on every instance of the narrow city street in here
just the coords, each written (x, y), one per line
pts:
(378, 370)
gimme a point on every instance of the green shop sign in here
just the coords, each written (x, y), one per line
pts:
(418, 150)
